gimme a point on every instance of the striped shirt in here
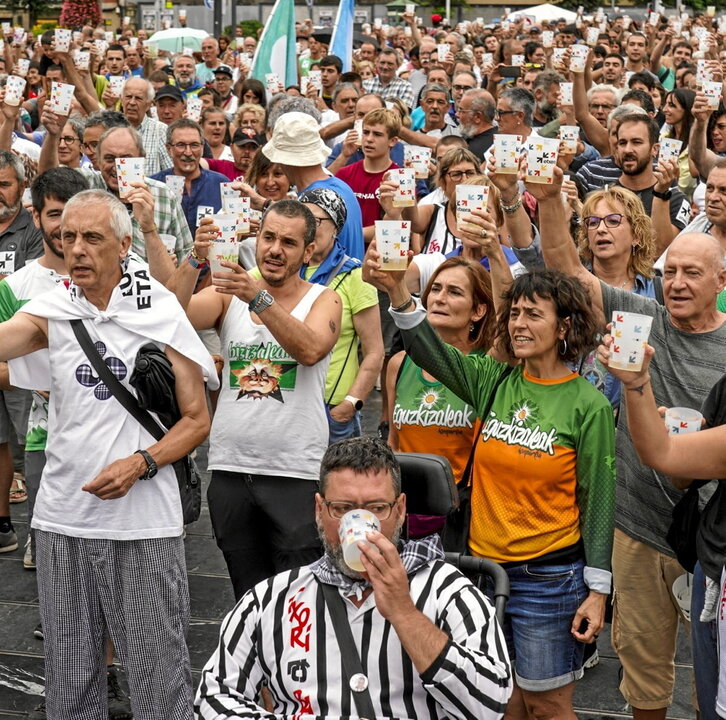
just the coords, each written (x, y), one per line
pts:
(280, 634)
(598, 174)
(398, 87)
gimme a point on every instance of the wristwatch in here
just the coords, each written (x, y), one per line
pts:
(151, 467)
(261, 301)
(357, 403)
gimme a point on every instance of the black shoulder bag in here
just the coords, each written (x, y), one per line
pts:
(187, 474)
(455, 536)
(352, 665)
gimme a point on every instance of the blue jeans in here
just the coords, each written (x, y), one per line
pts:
(704, 639)
(543, 600)
(342, 430)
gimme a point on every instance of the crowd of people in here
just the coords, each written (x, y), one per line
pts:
(491, 348)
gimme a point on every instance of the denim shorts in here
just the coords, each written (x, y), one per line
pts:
(538, 622)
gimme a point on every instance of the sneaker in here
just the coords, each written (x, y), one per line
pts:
(592, 657)
(119, 704)
(28, 558)
(38, 713)
(8, 541)
(38, 632)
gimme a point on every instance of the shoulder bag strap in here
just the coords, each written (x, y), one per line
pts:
(466, 475)
(125, 398)
(349, 654)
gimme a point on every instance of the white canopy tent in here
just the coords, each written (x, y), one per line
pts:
(545, 11)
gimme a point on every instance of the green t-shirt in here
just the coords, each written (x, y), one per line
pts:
(721, 301)
(356, 295)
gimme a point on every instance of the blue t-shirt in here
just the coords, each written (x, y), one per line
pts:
(351, 236)
(205, 191)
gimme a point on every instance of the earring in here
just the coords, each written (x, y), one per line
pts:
(563, 347)
(471, 328)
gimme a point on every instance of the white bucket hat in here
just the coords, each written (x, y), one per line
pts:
(296, 141)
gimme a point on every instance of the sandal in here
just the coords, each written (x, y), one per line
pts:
(18, 493)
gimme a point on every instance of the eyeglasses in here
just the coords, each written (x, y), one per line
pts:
(181, 146)
(592, 222)
(458, 175)
(319, 221)
(382, 510)
(601, 106)
(90, 145)
(67, 139)
(499, 113)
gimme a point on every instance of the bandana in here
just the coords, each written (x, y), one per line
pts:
(330, 201)
(414, 554)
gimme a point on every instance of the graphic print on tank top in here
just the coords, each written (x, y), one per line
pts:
(261, 371)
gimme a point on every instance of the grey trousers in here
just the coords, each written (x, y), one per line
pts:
(136, 588)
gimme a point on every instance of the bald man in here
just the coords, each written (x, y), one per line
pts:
(689, 335)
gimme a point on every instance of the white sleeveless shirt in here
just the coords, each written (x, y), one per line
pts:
(270, 417)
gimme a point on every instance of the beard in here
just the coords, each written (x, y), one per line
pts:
(335, 553)
(7, 211)
(548, 110)
(467, 131)
(641, 165)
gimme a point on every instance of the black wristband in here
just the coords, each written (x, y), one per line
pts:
(663, 196)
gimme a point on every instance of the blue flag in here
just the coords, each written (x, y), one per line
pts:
(341, 42)
(276, 49)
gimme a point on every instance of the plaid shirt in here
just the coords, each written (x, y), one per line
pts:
(168, 214)
(153, 137)
(398, 87)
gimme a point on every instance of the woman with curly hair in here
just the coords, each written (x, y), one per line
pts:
(543, 478)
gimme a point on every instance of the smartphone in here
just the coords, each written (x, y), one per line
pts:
(509, 71)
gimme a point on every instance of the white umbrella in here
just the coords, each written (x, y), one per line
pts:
(176, 39)
(544, 12)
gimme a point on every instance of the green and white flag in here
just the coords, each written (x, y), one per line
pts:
(276, 48)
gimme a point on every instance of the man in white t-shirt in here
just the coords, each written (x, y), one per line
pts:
(108, 520)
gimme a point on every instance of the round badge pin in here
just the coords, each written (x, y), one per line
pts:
(359, 682)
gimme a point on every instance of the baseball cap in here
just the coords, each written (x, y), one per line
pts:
(245, 135)
(170, 91)
(223, 70)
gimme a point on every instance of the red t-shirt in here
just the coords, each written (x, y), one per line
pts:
(365, 186)
(226, 167)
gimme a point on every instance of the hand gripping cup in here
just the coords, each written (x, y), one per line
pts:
(670, 149)
(681, 420)
(541, 159)
(223, 252)
(405, 196)
(569, 135)
(226, 223)
(630, 333)
(392, 240)
(61, 97)
(578, 58)
(352, 529)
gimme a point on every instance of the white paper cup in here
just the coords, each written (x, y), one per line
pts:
(14, 88)
(410, 8)
(548, 38)
(82, 59)
(405, 196)
(682, 588)
(670, 149)
(392, 240)
(272, 82)
(558, 54)
(593, 34)
(507, 149)
(223, 252)
(566, 89)
(316, 78)
(630, 333)
(194, 108)
(488, 59)
(578, 58)
(569, 135)
(226, 190)
(517, 60)
(352, 529)
(23, 67)
(358, 127)
(418, 158)
(169, 242)
(175, 184)
(61, 97)
(129, 170)
(469, 198)
(240, 208)
(226, 227)
(18, 34)
(62, 39)
(541, 159)
(204, 211)
(133, 41)
(108, 36)
(116, 84)
(712, 90)
(152, 49)
(681, 420)
(442, 50)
